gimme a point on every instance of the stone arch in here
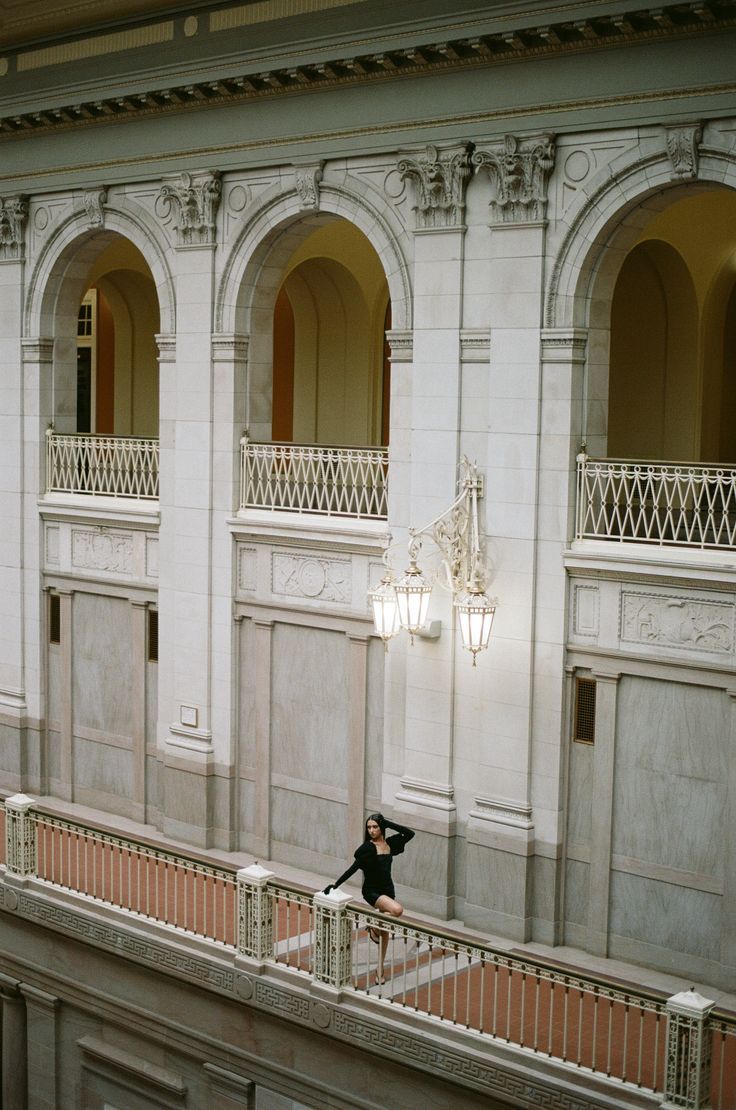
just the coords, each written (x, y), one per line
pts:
(587, 265)
(589, 258)
(275, 230)
(75, 242)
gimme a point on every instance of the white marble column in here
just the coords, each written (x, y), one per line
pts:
(138, 643)
(42, 1012)
(12, 670)
(14, 1045)
(262, 823)
(601, 826)
(65, 786)
(357, 695)
(185, 582)
(728, 916)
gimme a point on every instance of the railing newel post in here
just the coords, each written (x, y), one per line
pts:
(333, 957)
(21, 848)
(255, 913)
(688, 1053)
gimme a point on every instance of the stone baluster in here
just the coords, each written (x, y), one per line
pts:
(688, 1060)
(332, 939)
(20, 837)
(255, 913)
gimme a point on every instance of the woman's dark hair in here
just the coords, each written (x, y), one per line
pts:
(380, 821)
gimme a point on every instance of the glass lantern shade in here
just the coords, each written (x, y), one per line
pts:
(385, 609)
(412, 597)
(476, 614)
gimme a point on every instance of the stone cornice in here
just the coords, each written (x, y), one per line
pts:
(499, 47)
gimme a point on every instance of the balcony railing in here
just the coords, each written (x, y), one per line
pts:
(626, 1037)
(666, 504)
(303, 478)
(102, 466)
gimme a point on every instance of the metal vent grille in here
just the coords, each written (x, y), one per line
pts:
(153, 636)
(584, 724)
(54, 619)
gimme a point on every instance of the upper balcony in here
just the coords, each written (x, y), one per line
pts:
(662, 504)
(124, 467)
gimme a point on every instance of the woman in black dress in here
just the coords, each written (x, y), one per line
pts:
(374, 858)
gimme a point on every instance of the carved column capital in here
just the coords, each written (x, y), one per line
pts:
(306, 182)
(13, 215)
(440, 178)
(94, 201)
(192, 201)
(519, 173)
(683, 146)
(37, 349)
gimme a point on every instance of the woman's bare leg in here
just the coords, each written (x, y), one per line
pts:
(394, 909)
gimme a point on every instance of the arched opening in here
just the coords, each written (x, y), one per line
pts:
(100, 303)
(117, 357)
(328, 341)
(672, 388)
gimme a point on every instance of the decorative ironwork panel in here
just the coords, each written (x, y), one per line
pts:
(656, 503)
(104, 466)
(332, 481)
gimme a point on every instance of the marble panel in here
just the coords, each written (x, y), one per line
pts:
(671, 917)
(671, 762)
(151, 709)
(153, 782)
(544, 887)
(374, 720)
(497, 880)
(10, 748)
(53, 683)
(246, 805)
(102, 663)
(53, 753)
(580, 793)
(309, 704)
(577, 876)
(310, 822)
(102, 769)
(247, 695)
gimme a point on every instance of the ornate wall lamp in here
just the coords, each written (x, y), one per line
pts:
(403, 603)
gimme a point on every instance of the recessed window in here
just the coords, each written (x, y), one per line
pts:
(584, 717)
(84, 320)
(54, 619)
(153, 635)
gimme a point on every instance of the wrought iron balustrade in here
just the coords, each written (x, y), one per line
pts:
(664, 504)
(310, 478)
(627, 1037)
(102, 466)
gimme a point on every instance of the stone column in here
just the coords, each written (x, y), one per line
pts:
(12, 670)
(14, 1046)
(186, 501)
(357, 695)
(41, 1022)
(688, 1056)
(601, 826)
(728, 916)
(255, 913)
(332, 939)
(65, 784)
(262, 830)
(437, 178)
(139, 641)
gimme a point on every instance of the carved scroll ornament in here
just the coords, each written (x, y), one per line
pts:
(440, 180)
(193, 200)
(13, 214)
(519, 175)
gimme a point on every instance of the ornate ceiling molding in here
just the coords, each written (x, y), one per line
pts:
(598, 32)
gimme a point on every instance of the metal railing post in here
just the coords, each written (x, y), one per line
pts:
(332, 939)
(255, 913)
(21, 855)
(688, 1057)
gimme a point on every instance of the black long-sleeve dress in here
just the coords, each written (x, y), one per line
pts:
(376, 867)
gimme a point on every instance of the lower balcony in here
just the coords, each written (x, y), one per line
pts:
(312, 478)
(122, 467)
(667, 504)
